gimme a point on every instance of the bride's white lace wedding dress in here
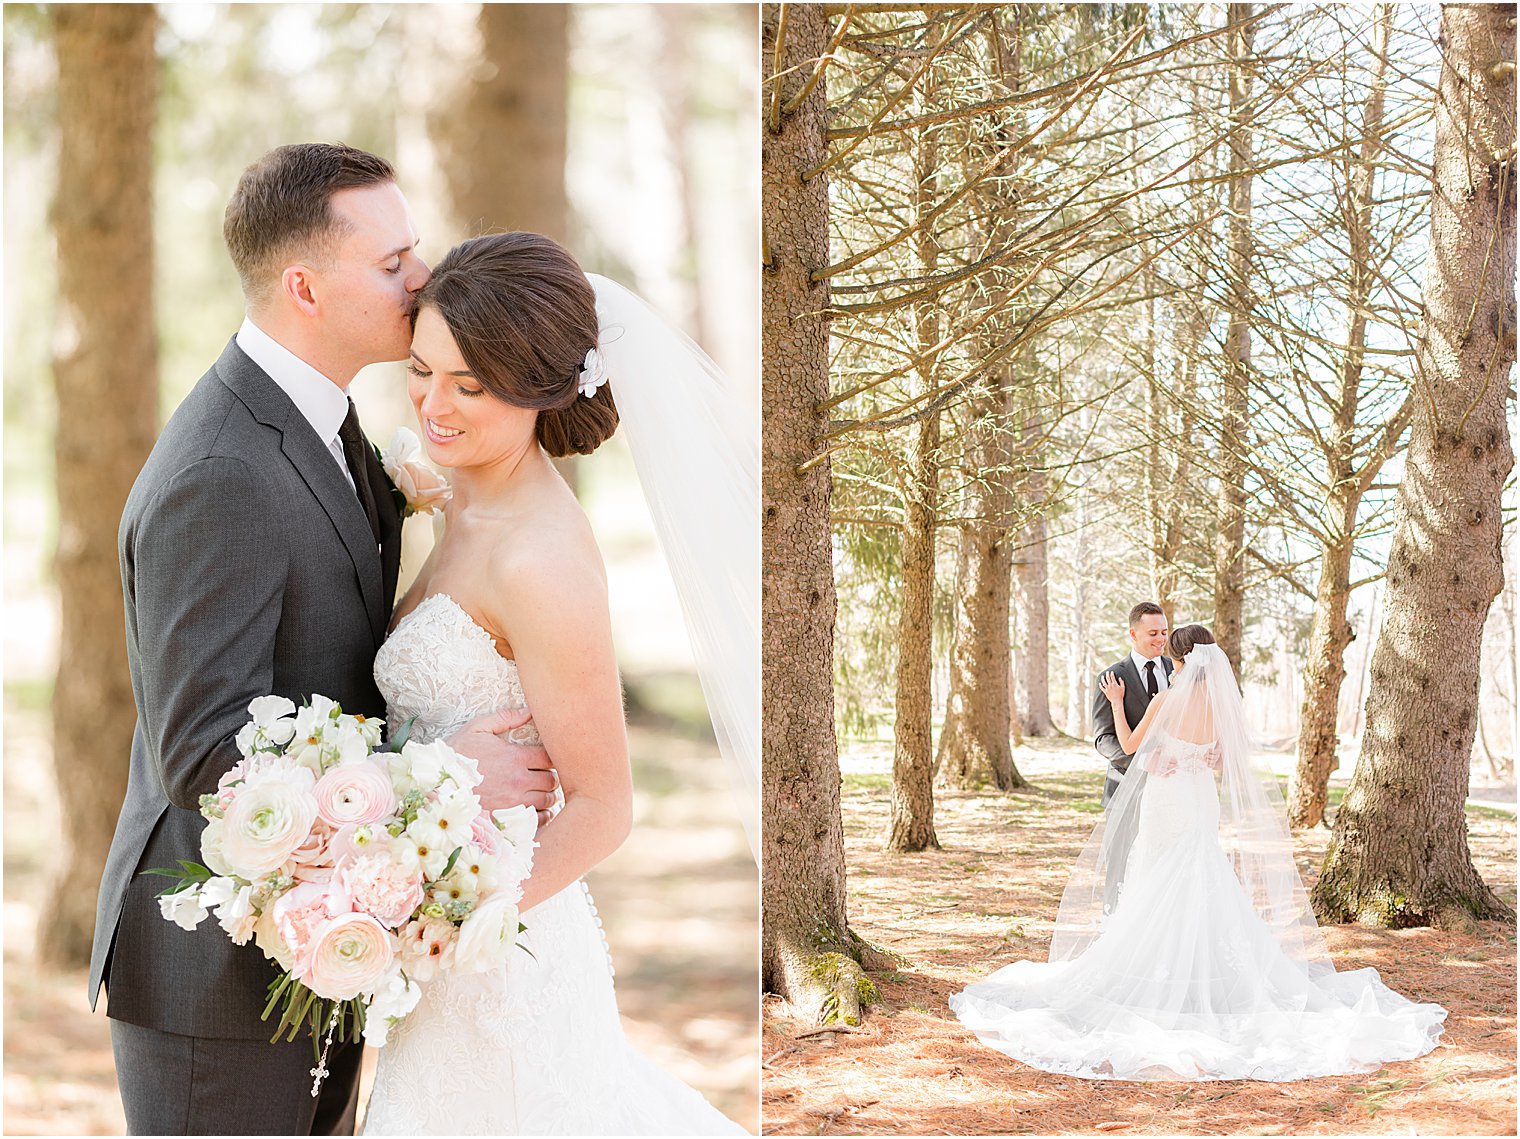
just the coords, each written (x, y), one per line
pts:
(536, 1049)
(1181, 978)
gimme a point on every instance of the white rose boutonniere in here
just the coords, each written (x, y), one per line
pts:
(419, 488)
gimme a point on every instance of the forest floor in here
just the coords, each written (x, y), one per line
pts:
(679, 905)
(989, 897)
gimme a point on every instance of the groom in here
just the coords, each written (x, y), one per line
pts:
(260, 549)
(1145, 672)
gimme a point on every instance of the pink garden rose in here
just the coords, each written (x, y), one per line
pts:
(382, 888)
(483, 833)
(351, 955)
(355, 793)
(301, 913)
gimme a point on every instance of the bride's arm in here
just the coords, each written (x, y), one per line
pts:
(553, 610)
(1130, 739)
(1112, 687)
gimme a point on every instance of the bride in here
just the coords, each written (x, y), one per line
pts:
(1207, 964)
(516, 357)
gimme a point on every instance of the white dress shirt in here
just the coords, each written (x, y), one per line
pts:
(320, 401)
(1141, 662)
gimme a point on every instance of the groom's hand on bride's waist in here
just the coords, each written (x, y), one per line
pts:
(511, 774)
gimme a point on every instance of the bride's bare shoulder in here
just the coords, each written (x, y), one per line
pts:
(552, 561)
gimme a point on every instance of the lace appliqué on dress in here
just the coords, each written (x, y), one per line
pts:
(537, 1048)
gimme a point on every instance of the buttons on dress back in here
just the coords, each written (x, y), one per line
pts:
(596, 917)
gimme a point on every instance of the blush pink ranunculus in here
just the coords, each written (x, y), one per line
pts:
(385, 889)
(350, 956)
(357, 793)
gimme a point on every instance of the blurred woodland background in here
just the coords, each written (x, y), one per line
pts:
(626, 131)
(1071, 306)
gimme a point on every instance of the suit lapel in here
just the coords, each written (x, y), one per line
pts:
(317, 467)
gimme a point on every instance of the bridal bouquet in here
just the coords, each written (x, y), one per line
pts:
(364, 872)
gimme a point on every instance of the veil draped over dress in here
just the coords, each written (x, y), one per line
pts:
(1185, 947)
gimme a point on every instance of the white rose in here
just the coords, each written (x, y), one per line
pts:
(266, 823)
(183, 908)
(211, 848)
(266, 935)
(486, 937)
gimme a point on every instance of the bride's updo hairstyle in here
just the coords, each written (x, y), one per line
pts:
(1181, 641)
(524, 316)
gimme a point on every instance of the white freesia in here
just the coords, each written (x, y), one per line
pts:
(269, 727)
(183, 908)
(423, 489)
(486, 937)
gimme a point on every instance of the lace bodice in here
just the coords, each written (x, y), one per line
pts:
(535, 1048)
(440, 666)
(1180, 757)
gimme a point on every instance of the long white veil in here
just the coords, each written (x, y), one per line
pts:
(1202, 706)
(697, 454)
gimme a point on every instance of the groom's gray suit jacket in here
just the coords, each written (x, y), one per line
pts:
(249, 568)
(1105, 735)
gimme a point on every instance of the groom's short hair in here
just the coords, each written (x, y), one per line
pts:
(1144, 609)
(282, 207)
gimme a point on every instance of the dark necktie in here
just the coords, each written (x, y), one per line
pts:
(1150, 677)
(356, 450)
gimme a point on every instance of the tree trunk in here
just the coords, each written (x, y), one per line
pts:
(912, 822)
(1324, 674)
(1399, 855)
(1229, 545)
(808, 953)
(973, 745)
(502, 143)
(1031, 609)
(1319, 717)
(105, 370)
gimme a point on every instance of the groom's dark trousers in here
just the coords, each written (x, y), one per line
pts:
(249, 568)
(1106, 740)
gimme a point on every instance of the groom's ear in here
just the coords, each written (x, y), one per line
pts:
(296, 284)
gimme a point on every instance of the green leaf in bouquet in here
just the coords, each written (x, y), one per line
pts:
(521, 928)
(189, 874)
(400, 735)
(449, 865)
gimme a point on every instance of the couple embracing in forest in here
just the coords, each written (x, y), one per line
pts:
(1185, 947)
